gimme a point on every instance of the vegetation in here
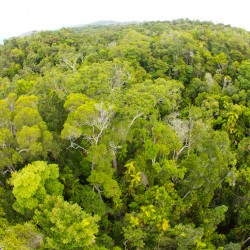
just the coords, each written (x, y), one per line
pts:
(130, 136)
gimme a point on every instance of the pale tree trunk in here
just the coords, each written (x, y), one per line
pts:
(115, 165)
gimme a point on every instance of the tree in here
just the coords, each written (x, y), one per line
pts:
(68, 57)
(104, 80)
(65, 225)
(87, 119)
(22, 236)
(23, 134)
(104, 183)
(33, 183)
(244, 75)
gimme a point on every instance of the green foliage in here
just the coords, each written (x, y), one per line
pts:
(65, 225)
(91, 202)
(188, 237)
(33, 183)
(244, 75)
(23, 134)
(4, 223)
(82, 195)
(22, 236)
(145, 125)
(103, 182)
(88, 119)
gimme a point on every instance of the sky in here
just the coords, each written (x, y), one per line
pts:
(21, 16)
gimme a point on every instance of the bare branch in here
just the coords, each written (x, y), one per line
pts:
(76, 146)
(133, 120)
(23, 150)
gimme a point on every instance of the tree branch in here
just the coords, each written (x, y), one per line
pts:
(133, 120)
(23, 150)
(76, 146)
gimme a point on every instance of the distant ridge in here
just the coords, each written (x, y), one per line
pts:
(30, 33)
(104, 23)
(93, 24)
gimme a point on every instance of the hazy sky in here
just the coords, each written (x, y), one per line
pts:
(20, 16)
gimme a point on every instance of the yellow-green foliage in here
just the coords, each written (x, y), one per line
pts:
(33, 183)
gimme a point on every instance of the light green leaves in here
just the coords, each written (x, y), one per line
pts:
(104, 183)
(23, 134)
(65, 225)
(22, 237)
(33, 183)
(28, 139)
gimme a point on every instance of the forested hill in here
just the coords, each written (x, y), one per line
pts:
(131, 136)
